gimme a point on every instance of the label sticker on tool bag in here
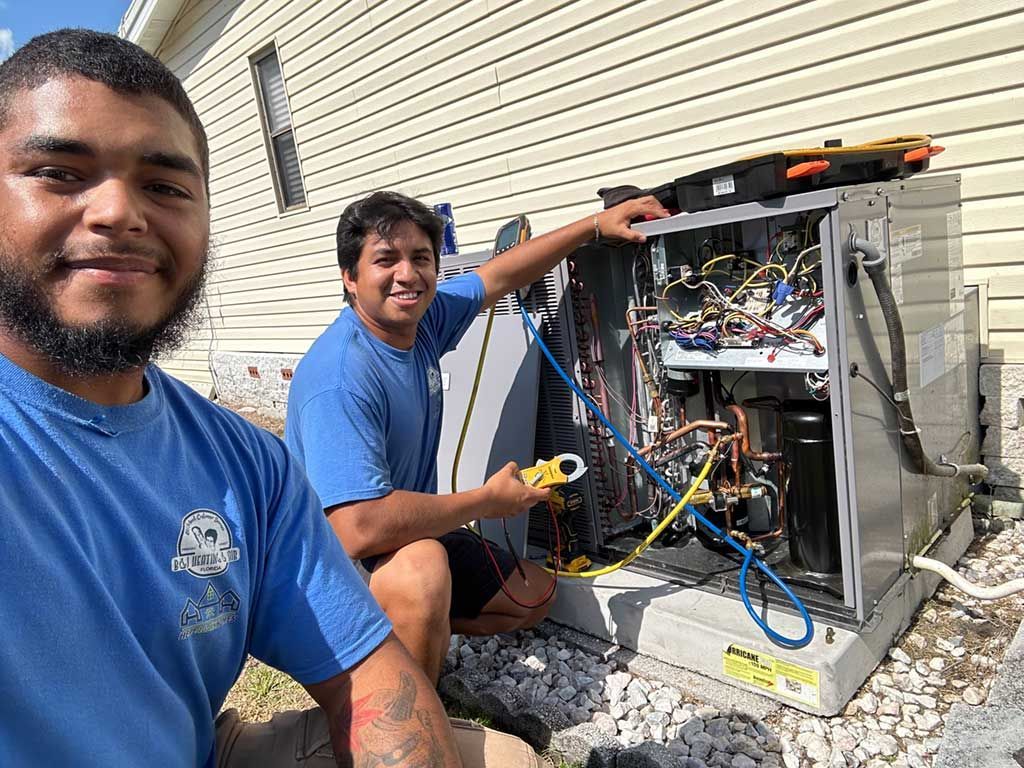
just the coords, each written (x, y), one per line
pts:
(771, 674)
(723, 185)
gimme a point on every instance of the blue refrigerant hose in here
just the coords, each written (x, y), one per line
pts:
(748, 555)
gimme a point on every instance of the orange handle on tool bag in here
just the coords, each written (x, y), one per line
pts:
(808, 168)
(921, 153)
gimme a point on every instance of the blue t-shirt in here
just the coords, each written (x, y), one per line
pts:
(365, 417)
(144, 550)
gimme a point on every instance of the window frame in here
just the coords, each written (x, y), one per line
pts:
(269, 137)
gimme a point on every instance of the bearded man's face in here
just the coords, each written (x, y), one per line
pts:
(104, 226)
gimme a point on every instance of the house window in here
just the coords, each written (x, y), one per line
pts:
(277, 126)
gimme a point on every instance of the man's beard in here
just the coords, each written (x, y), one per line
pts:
(97, 349)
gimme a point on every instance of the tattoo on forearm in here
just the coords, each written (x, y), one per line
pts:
(387, 729)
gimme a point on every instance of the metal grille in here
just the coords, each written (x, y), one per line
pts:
(559, 414)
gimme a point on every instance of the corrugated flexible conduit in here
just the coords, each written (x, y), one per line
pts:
(875, 266)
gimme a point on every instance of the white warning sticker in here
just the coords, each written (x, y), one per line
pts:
(896, 280)
(956, 352)
(906, 244)
(723, 185)
(955, 257)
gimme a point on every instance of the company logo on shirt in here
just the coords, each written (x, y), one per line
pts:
(433, 381)
(204, 545)
(214, 609)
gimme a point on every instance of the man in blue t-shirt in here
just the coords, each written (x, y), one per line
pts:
(364, 416)
(150, 539)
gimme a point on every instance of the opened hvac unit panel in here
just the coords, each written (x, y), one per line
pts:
(759, 320)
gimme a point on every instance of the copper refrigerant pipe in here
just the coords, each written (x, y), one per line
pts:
(671, 437)
(781, 504)
(736, 464)
(744, 430)
(710, 426)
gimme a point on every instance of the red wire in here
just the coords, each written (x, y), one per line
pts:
(501, 579)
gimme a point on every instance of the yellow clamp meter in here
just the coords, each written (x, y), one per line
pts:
(549, 474)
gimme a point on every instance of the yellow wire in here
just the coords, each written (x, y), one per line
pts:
(749, 280)
(664, 294)
(799, 258)
(802, 332)
(655, 533)
(753, 263)
(704, 269)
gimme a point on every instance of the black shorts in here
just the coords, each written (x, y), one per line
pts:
(474, 581)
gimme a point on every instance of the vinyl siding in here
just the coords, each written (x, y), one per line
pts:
(440, 99)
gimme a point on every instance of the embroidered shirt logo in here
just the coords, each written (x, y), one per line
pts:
(204, 545)
(213, 610)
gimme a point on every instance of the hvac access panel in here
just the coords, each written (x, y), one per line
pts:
(717, 337)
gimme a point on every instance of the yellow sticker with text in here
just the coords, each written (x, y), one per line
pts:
(771, 674)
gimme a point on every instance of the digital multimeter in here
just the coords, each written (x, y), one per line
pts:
(512, 234)
(516, 232)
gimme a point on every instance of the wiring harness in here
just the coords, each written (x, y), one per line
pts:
(740, 299)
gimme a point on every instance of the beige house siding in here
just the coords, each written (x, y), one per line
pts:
(500, 107)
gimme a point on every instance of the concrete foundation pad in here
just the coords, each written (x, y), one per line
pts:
(691, 628)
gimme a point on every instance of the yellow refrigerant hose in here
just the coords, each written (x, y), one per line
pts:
(472, 400)
(655, 533)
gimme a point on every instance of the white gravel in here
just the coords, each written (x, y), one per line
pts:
(950, 654)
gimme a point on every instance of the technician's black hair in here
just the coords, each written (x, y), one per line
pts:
(380, 213)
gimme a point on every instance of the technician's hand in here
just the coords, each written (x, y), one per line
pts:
(614, 223)
(508, 496)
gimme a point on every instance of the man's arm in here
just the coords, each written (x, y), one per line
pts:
(528, 262)
(384, 524)
(384, 711)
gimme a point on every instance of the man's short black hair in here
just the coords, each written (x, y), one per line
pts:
(121, 66)
(380, 213)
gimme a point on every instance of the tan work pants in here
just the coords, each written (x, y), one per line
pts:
(301, 740)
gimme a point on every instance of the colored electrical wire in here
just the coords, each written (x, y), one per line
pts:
(748, 554)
